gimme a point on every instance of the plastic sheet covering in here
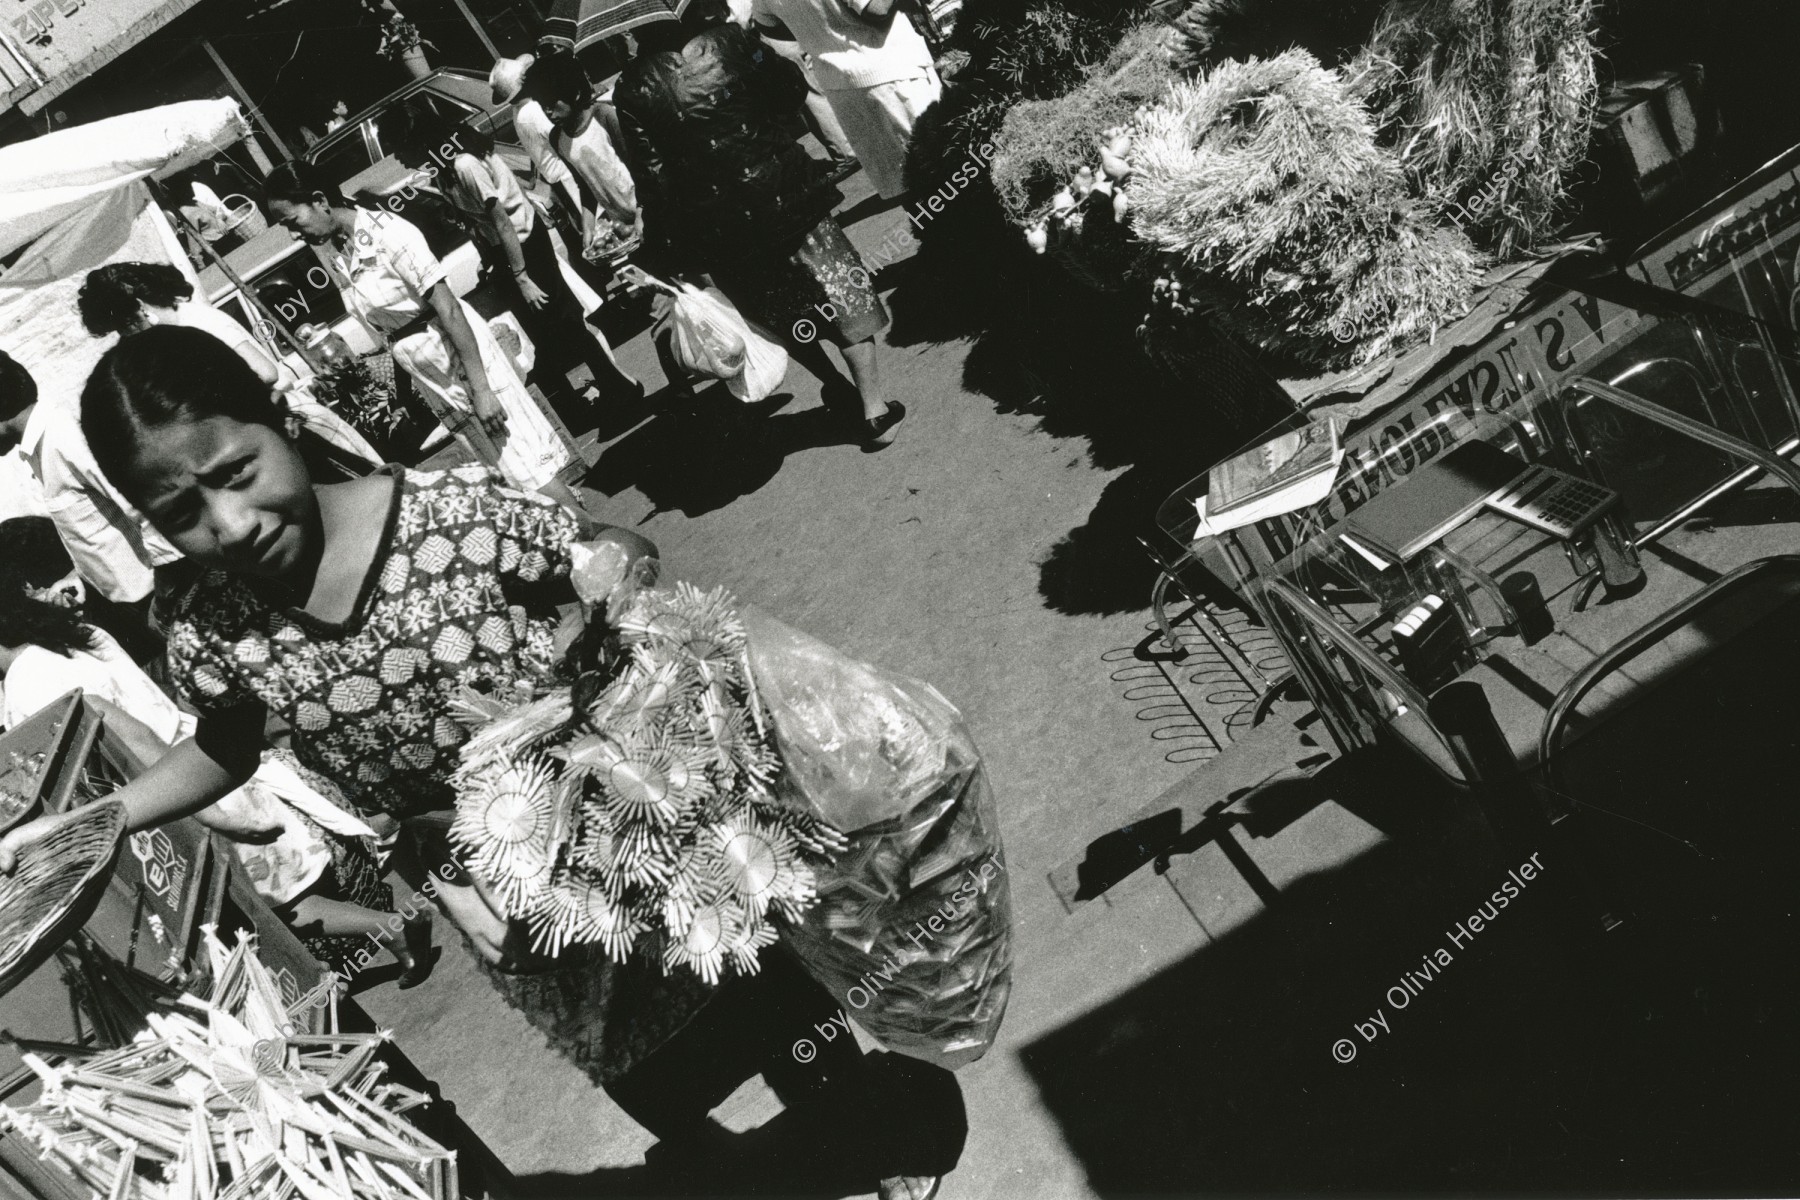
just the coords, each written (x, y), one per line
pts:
(913, 928)
(46, 179)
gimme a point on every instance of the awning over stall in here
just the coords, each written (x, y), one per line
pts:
(48, 179)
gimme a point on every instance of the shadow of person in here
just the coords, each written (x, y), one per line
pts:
(612, 415)
(850, 1119)
(695, 458)
(908, 1118)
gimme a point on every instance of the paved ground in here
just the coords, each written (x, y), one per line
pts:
(1184, 1031)
(924, 559)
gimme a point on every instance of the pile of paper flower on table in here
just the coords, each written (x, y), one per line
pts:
(222, 1097)
(636, 806)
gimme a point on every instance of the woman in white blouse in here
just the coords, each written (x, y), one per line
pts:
(540, 286)
(390, 279)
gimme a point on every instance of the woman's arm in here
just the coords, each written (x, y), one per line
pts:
(266, 368)
(455, 325)
(514, 254)
(137, 738)
(216, 761)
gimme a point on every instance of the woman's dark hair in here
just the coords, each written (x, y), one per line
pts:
(558, 77)
(110, 296)
(32, 547)
(662, 37)
(28, 622)
(18, 390)
(416, 127)
(162, 375)
(298, 182)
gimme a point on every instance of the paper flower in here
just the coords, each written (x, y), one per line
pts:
(650, 805)
(716, 928)
(504, 823)
(761, 863)
(582, 912)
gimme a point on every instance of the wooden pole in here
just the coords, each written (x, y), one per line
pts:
(258, 155)
(244, 99)
(251, 299)
(480, 32)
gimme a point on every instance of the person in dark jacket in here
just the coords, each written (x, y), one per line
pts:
(727, 191)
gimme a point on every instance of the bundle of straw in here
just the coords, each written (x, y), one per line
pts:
(1263, 185)
(1490, 105)
(222, 1099)
(1044, 142)
(1209, 32)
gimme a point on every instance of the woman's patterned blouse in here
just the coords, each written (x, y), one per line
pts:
(444, 608)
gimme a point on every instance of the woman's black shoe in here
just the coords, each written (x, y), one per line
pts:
(875, 427)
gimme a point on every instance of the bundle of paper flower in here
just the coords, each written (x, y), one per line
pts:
(646, 810)
(222, 1099)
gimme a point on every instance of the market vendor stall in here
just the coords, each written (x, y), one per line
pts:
(176, 913)
(1486, 494)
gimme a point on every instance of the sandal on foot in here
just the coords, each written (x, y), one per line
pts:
(416, 955)
(911, 1187)
(875, 427)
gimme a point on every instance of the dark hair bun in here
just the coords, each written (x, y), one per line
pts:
(111, 295)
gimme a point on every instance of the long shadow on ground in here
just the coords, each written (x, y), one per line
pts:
(1534, 1057)
(696, 458)
(1046, 344)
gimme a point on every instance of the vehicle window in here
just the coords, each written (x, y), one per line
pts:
(345, 157)
(451, 110)
(298, 291)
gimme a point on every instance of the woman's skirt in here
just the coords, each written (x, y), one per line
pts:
(819, 288)
(879, 122)
(604, 1017)
(531, 453)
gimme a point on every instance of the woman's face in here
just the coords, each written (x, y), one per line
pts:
(567, 116)
(315, 220)
(227, 494)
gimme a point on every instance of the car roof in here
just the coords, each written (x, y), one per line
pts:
(457, 83)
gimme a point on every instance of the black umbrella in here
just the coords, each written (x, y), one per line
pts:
(578, 24)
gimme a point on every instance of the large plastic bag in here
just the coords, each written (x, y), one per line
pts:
(913, 929)
(712, 339)
(765, 366)
(707, 340)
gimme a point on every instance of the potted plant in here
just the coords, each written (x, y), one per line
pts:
(402, 42)
(363, 392)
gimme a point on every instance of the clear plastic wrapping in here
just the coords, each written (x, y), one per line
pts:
(912, 931)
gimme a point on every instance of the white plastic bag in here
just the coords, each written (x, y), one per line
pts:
(765, 366)
(713, 339)
(707, 341)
